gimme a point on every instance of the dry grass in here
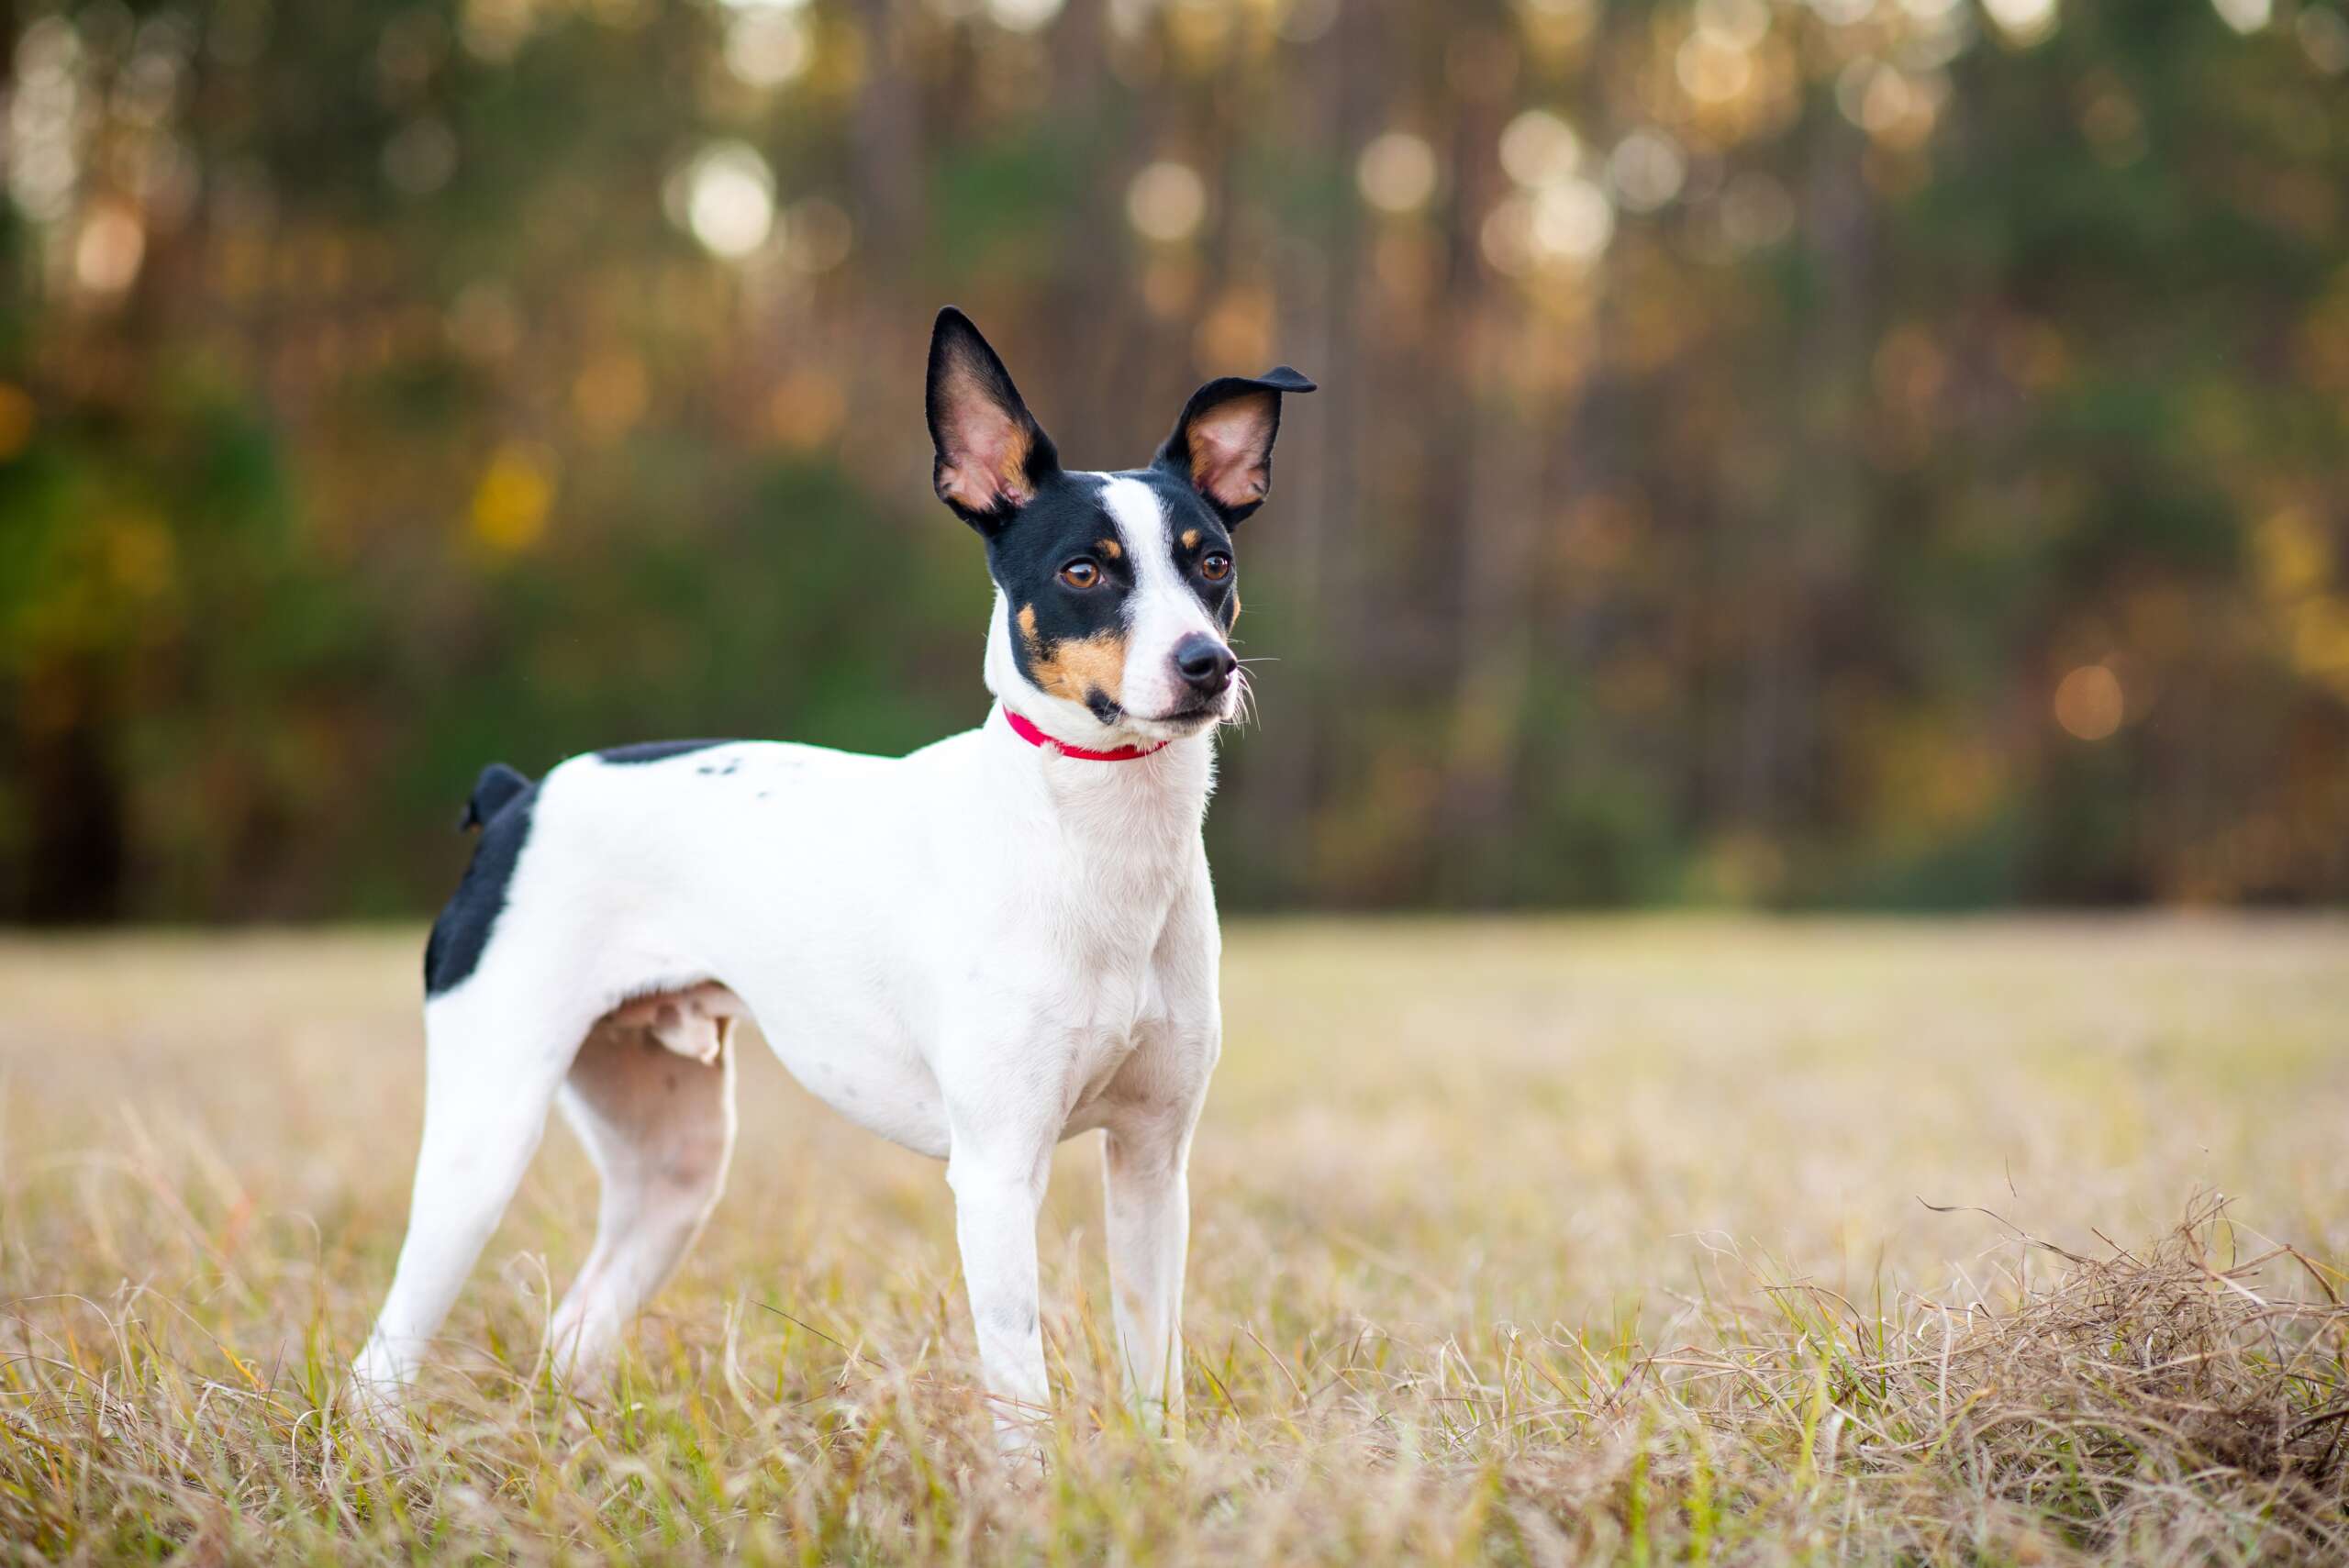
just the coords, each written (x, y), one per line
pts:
(1551, 1243)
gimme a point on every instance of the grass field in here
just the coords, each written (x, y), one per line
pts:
(1531, 1243)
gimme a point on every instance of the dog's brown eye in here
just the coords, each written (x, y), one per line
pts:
(1215, 566)
(1080, 574)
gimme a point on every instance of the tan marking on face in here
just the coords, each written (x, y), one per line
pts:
(1109, 547)
(1190, 539)
(1235, 612)
(1076, 668)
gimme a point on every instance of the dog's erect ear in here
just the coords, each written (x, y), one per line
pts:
(991, 452)
(1223, 443)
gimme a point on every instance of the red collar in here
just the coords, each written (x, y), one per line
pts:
(1035, 737)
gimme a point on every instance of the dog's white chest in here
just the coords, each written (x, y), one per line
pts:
(1129, 1012)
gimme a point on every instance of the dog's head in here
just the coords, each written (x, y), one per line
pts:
(1118, 591)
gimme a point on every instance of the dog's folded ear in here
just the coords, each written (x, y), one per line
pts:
(991, 452)
(1223, 443)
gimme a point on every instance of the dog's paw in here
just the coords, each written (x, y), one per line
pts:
(372, 1415)
(1022, 1457)
(376, 1393)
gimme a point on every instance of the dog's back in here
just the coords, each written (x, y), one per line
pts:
(655, 855)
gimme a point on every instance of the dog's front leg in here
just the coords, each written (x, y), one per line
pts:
(998, 1183)
(1147, 1199)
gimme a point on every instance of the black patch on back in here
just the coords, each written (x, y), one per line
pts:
(656, 750)
(463, 928)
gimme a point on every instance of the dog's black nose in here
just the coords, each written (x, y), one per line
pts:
(1204, 662)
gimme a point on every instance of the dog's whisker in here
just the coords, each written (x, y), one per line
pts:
(1249, 714)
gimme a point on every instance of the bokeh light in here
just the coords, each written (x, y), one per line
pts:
(113, 243)
(495, 30)
(1844, 13)
(1396, 173)
(2088, 702)
(1711, 70)
(513, 498)
(2244, 15)
(1739, 24)
(2025, 22)
(727, 195)
(1572, 220)
(1023, 15)
(768, 47)
(1538, 147)
(43, 112)
(1646, 169)
(1166, 202)
(1890, 105)
(1506, 237)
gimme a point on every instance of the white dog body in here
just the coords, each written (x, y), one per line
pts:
(977, 950)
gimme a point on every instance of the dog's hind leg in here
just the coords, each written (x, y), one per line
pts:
(495, 1052)
(655, 1107)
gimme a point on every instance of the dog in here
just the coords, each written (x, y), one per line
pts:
(998, 943)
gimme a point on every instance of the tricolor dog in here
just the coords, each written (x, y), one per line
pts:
(1002, 940)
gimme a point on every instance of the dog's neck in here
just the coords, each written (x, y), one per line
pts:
(1144, 807)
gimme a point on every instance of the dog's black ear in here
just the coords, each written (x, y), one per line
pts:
(1223, 443)
(991, 452)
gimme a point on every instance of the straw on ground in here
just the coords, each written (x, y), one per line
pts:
(1570, 1241)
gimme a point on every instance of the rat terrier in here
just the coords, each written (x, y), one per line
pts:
(998, 943)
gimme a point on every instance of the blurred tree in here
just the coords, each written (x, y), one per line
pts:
(1848, 451)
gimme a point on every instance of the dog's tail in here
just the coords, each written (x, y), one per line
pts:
(497, 785)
